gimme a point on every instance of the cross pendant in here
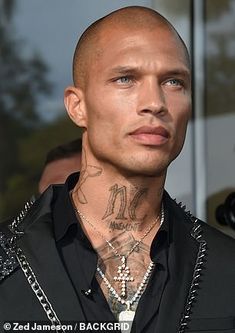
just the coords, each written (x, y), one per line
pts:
(123, 276)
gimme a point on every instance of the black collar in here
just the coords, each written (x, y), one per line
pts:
(66, 224)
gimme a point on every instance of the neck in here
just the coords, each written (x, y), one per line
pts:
(115, 203)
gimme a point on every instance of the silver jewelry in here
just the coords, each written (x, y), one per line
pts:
(128, 314)
(196, 233)
(123, 271)
(25, 266)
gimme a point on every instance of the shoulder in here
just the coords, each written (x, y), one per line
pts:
(214, 238)
(221, 243)
(8, 261)
(12, 230)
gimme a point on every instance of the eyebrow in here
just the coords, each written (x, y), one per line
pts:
(125, 70)
(182, 71)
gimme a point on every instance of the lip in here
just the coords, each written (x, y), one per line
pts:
(149, 135)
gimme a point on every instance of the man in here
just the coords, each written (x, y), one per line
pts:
(112, 245)
(60, 162)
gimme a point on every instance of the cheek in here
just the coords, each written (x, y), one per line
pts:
(101, 122)
(107, 109)
(95, 117)
(181, 112)
(181, 129)
(181, 126)
(181, 107)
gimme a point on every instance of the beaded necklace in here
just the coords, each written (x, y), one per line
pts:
(124, 272)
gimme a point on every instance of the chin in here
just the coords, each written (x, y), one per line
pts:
(153, 173)
(144, 170)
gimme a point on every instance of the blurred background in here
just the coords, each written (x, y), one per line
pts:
(37, 40)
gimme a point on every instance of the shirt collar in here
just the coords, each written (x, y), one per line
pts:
(161, 240)
(64, 215)
(66, 219)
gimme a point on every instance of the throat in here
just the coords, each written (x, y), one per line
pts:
(115, 225)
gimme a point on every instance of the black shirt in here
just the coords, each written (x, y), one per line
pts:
(80, 261)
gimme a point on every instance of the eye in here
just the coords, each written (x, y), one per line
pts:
(124, 80)
(175, 83)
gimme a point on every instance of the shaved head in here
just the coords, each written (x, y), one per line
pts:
(89, 47)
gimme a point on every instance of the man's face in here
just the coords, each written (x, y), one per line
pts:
(137, 101)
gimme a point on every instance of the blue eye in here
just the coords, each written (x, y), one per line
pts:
(174, 82)
(124, 80)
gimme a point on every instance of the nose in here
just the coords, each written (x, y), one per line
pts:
(151, 98)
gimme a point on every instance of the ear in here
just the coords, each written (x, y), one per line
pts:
(74, 103)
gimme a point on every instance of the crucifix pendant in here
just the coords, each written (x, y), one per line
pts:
(123, 276)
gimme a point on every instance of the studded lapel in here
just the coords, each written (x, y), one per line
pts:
(186, 253)
(40, 261)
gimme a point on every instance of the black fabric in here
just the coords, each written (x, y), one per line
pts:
(80, 261)
(166, 300)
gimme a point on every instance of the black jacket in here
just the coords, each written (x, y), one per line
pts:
(199, 295)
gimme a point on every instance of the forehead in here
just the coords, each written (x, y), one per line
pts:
(125, 47)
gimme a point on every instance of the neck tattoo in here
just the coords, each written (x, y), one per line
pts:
(123, 271)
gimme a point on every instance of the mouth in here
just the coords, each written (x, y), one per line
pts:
(151, 136)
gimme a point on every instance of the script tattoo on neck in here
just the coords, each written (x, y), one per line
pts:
(87, 171)
(118, 203)
(124, 226)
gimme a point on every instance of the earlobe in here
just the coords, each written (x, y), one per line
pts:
(74, 103)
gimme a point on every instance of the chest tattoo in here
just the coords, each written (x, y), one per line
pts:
(137, 263)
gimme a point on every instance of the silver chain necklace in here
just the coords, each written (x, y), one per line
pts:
(128, 314)
(124, 270)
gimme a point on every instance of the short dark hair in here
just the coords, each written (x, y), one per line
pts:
(66, 150)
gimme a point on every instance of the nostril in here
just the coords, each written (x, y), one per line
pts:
(158, 111)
